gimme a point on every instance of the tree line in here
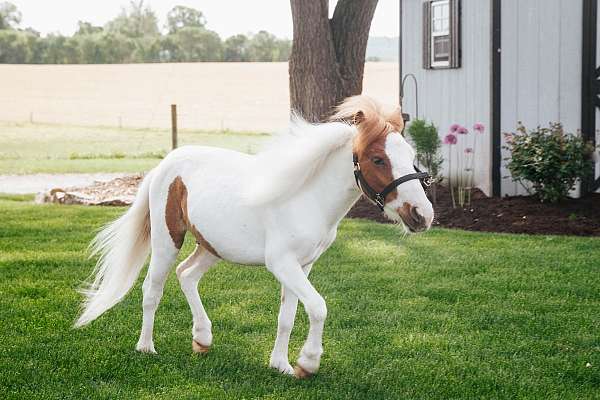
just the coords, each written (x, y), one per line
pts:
(134, 37)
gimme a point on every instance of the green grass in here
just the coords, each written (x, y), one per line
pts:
(34, 148)
(448, 314)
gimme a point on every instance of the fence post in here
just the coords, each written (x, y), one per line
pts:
(173, 126)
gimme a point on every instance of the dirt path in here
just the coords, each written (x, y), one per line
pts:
(21, 184)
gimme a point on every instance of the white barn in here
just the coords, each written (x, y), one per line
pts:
(499, 62)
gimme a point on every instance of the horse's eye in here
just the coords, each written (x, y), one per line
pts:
(378, 161)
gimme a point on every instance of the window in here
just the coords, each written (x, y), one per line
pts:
(441, 34)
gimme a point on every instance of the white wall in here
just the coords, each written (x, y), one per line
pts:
(454, 95)
(597, 170)
(541, 68)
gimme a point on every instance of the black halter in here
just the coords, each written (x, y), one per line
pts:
(379, 198)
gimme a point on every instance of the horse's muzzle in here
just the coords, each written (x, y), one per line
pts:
(413, 218)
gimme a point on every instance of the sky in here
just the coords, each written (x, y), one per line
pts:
(226, 17)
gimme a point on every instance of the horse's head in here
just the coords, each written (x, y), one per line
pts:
(384, 158)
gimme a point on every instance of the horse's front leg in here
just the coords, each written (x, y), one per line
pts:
(289, 272)
(285, 324)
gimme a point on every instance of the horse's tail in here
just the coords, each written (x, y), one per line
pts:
(123, 246)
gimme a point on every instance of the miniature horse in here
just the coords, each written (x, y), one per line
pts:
(280, 208)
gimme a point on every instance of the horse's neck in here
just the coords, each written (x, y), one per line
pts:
(334, 187)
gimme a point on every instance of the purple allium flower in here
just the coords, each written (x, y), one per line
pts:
(468, 150)
(454, 128)
(479, 127)
(450, 139)
(462, 130)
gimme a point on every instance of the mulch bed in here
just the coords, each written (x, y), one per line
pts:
(579, 217)
(117, 192)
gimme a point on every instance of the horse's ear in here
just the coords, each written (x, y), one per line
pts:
(396, 119)
(358, 118)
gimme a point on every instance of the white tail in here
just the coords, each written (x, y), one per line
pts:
(123, 246)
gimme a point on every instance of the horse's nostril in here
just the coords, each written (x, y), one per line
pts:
(416, 216)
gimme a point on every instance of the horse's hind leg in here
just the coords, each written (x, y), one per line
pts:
(164, 253)
(189, 273)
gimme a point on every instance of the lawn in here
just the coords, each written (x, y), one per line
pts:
(33, 148)
(448, 314)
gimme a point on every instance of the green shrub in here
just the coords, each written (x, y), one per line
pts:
(427, 144)
(550, 159)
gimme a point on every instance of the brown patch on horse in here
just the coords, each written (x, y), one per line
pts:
(199, 348)
(176, 211)
(404, 212)
(301, 373)
(176, 216)
(374, 124)
(202, 241)
(411, 217)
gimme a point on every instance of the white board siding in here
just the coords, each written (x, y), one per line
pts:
(541, 68)
(450, 96)
(597, 169)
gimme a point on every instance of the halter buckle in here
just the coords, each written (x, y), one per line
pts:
(380, 201)
(428, 181)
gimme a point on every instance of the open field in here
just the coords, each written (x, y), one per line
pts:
(448, 314)
(116, 118)
(35, 148)
(210, 96)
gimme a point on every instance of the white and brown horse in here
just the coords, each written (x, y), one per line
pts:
(279, 208)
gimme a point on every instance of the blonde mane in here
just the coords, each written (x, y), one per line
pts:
(372, 119)
(294, 156)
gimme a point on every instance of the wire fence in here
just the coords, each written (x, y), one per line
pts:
(125, 109)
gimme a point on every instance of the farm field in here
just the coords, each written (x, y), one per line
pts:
(116, 118)
(50, 148)
(210, 96)
(448, 314)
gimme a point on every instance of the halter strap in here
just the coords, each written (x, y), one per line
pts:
(378, 198)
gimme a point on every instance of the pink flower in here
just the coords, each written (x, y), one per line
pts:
(462, 130)
(454, 128)
(468, 150)
(450, 139)
(479, 127)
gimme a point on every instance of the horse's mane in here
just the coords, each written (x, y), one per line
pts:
(372, 119)
(293, 157)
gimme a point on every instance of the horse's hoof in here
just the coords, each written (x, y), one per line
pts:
(301, 373)
(198, 348)
(145, 348)
(282, 366)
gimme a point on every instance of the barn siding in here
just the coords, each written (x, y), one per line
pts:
(541, 68)
(597, 169)
(450, 96)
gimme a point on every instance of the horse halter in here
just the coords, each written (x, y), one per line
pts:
(378, 198)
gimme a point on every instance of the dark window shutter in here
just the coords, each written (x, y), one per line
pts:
(427, 35)
(455, 34)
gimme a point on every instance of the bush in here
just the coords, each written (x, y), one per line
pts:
(550, 159)
(427, 144)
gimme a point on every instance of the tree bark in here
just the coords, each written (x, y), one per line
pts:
(328, 55)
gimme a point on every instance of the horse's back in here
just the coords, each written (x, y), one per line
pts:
(214, 180)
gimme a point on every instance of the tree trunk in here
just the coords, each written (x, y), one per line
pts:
(328, 55)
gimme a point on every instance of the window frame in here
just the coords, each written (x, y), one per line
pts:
(453, 32)
(442, 33)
